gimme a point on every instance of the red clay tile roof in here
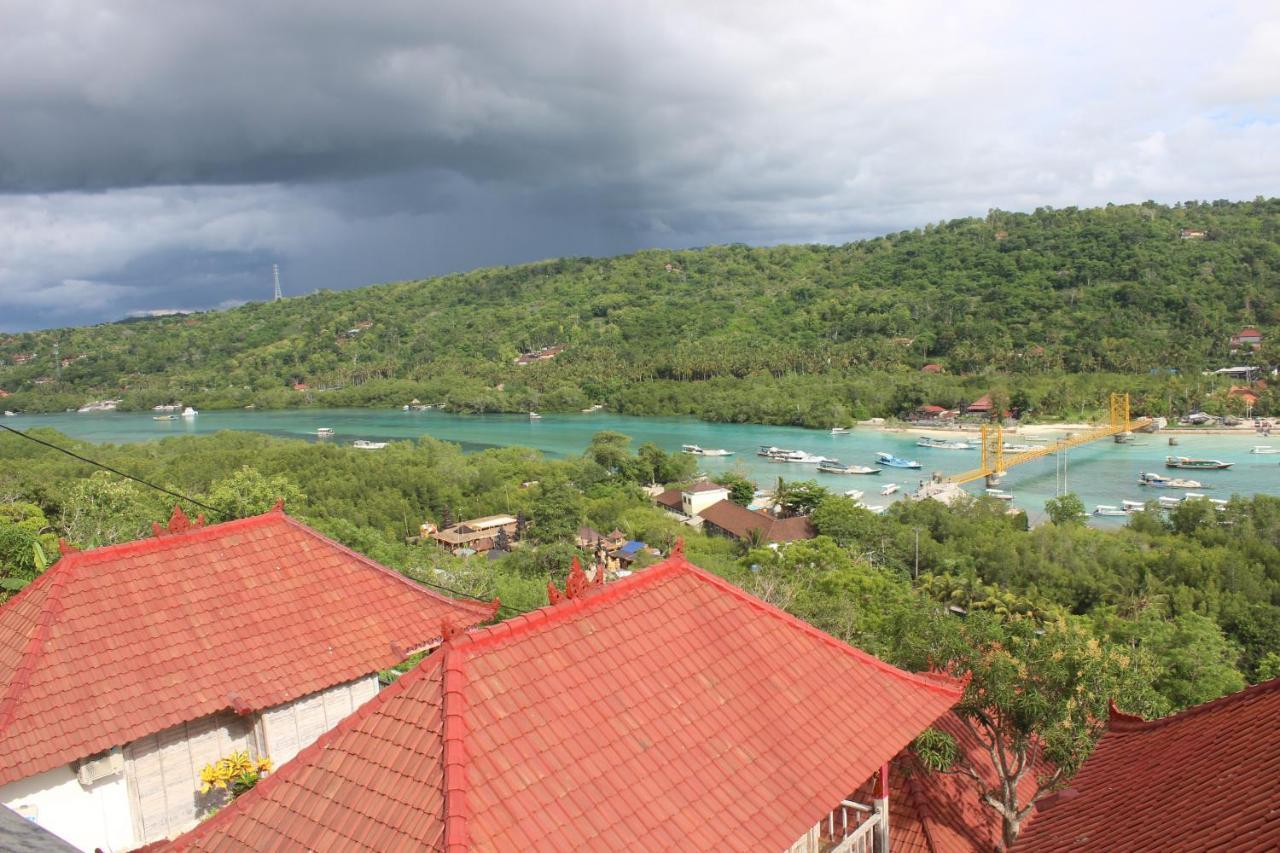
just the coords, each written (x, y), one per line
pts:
(1205, 778)
(666, 711)
(705, 486)
(738, 521)
(932, 409)
(116, 643)
(670, 499)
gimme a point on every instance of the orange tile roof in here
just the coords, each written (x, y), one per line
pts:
(738, 521)
(116, 643)
(1205, 778)
(666, 711)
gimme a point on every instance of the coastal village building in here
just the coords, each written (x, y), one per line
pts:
(1207, 778)
(1193, 233)
(1248, 337)
(666, 711)
(708, 505)
(727, 518)
(475, 536)
(1243, 393)
(980, 406)
(125, 669)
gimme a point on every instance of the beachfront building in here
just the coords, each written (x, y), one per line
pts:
(474, 536)
(1247, 338)
(126, 669)
(669, 710)
(1207, 778)
(726, 518)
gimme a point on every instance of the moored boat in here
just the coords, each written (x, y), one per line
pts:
(534, 416)
(324, 432)
(1263, 449)
(999, 494)
(943, 443)
(189, 412)
(839, 430)
(888, 488)
(1108, 509)
(883, 458)
(1132, 506)
(164, 417)
(1160, 481)
(1012, 447)
(834, 467)
(1196, 464)
(9, 414)
(361, 444)
(855, 494)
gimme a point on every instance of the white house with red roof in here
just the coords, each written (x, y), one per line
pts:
(666, 711)
(125, 669)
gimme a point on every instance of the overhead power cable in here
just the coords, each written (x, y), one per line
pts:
(454, 592)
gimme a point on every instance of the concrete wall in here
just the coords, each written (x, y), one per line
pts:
(696, 502)
(86, 818)
(292, 727)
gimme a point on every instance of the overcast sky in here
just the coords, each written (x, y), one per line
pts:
(164, 155)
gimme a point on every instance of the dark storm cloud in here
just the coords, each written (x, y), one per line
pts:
(162, 155)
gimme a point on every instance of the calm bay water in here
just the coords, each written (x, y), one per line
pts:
(1101, 473)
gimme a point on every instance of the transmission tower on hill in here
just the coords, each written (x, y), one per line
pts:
(275, 272)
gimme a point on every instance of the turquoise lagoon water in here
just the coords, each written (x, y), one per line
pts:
(1101, 473)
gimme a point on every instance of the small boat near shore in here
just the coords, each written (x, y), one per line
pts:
(854, 494)
(324, 432)
(1263, 449)
(834, 467)
(999, 494)
(883, 458)
(534, 416)
(839, 430)
(189, 412)
(1108, 509)
(888, 488)
(1013, 447)
(1190, 464)
(944, 443)
(164, 417)
(361, 444)
(695, 450)
(1160, 481)
(9, 414)
(779, 454)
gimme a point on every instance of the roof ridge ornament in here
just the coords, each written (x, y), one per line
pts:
(179, 522)
(677, 550)
(448, 630)
(65, 547)
(577, 585)
(278, 506)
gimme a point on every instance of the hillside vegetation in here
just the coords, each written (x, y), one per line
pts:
(1056, 308)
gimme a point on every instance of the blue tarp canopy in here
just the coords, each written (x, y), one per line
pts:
(631, 547)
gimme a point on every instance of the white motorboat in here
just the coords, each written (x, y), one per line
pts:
(705, 451)
(1160, 481)
(834, 467)
(361, 444)
(944, 443)
(534, 416)
(164, 417)
(1108, 509)
(189, 412)
(1168, 501)
(813, 459)
(888, 488)
(9, 414)
(999, 494)
(855, 494)
(1132, 506)
(1010, 447)
(1264, 449)
(324, 432)
(839, 430)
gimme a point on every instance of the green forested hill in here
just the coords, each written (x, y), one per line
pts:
(1056, 307)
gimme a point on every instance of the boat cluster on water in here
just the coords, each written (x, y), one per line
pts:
(1162, 502)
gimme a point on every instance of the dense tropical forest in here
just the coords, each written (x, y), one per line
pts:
(1047, 623)
(1052, 309)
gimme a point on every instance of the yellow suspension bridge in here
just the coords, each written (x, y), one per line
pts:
(995, 461)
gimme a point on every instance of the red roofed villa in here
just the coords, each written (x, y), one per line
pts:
(666, 711)
(125, 669)
(1207, 778)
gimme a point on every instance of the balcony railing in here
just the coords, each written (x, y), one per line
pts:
(853, 828)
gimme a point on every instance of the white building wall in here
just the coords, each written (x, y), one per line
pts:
(290, 728)
(696, 502)
(85, 818)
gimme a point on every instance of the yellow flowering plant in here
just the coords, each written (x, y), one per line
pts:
(236, 773)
